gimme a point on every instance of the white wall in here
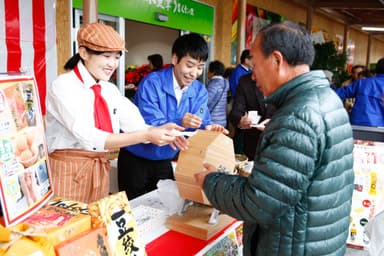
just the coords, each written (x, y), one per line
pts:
(144, 39)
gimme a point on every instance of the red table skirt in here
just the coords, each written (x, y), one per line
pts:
(175, 243)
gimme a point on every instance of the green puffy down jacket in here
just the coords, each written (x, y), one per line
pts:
(297, 201)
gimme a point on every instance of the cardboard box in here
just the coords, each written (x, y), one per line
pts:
(28, 247)
(204, 147)
(92, 242)
(114, 213)
(74, 206)
(57, 224)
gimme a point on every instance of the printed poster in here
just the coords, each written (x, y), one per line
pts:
(230, 243)
(256, 18)
(24, 176)
(368, 194)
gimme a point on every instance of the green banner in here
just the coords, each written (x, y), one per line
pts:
(178, 14)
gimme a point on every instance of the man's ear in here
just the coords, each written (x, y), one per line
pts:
(277, 58)
(175, 60)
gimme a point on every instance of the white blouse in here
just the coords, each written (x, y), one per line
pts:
(70, 122)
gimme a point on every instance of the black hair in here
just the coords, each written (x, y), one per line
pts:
(380, 66)
(364, 73)
(245, 54)
(217, 68)
(357, 66)
(291, 40)
(228, 71)
(191, 44)
(72, 62)
(156, 60)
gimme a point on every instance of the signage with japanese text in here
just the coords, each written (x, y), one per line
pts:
(24, 172)
(178, 14)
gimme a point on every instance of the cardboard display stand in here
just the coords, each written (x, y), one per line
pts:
(204, 147)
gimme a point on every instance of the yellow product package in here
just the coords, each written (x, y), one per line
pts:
(57, 224)
(74, 206)
(114, 213)
(29, 247)
(5, 234)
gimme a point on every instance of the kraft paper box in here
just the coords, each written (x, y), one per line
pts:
(74, 206)
(57, 224)
(92, 242)
(114, 213)
(204, 147)
(29, 247)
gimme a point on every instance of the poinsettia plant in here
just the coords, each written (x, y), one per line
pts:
(133, 76)
(134, 73)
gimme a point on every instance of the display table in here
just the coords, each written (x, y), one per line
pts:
(160, 240)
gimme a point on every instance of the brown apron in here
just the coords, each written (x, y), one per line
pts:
(80, 175)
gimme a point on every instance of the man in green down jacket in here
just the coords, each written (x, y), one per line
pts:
(297, 200)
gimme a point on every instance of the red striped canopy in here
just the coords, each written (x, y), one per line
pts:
(28, 40)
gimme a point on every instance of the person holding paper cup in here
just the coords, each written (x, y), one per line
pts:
(249, 114)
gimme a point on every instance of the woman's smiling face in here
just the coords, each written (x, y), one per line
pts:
(101, 66)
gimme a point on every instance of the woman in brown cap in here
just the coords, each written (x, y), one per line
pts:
(82, 126)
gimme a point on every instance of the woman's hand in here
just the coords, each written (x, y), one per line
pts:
(164, 134)
(180, 142)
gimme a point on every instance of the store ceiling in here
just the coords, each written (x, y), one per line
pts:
(356, 13)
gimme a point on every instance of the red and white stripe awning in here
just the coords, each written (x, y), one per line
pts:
(28, 40)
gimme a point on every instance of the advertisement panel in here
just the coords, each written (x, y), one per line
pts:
(24, 171)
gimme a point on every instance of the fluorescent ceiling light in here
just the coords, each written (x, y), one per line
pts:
(373, 28)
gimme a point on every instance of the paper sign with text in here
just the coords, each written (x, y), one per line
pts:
(368, 195)
(24, 171)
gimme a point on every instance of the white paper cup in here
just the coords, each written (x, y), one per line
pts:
(254, 116)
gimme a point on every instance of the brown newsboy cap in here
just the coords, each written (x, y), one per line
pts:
(100, 37)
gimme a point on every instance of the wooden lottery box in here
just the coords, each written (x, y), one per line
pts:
(204, 147)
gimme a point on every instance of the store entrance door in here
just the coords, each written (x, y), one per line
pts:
(118, 24)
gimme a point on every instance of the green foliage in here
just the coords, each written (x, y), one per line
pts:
(327, 58)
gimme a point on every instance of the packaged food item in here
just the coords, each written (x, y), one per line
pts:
(74, 206)
(30, 105)
(5, 234)
(29, 247)
(14, 95)
(7, 122)
(9, 235)
(57, 224)
(92, 242)
(114, 213)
